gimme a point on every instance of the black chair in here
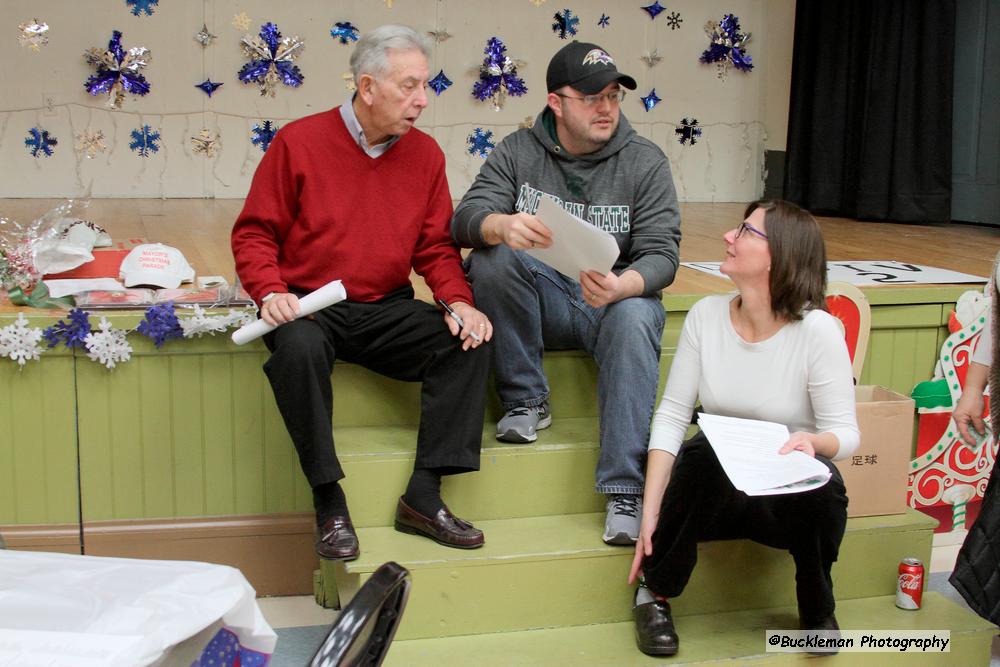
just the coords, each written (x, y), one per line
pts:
(361, 635)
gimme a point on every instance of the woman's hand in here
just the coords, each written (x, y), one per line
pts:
(644, 545)
(799, 441)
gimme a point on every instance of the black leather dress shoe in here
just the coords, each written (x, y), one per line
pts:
(830, 628)
(654, 628)
(337, 539)
(444, 527)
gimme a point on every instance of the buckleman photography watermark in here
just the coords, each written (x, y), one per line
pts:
(859, 641)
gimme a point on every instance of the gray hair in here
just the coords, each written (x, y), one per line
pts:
(371, 53)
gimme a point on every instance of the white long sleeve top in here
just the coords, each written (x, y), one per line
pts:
(801, 377)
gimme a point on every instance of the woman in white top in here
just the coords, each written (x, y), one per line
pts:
(770, 352)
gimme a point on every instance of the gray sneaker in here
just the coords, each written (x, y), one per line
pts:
(521, 424)
(622, 523)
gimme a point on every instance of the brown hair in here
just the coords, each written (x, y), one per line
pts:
(798, 258)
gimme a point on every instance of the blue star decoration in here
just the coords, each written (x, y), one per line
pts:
(208, 86)
(480, 142)
(654, 9)
(39, 141)
(144, 140)
(140, 6)
(650, 101)
(346, 32)
(440, 83)
(565, 23)
(262, 134)
(674, 20)
(688, 131)
(604, 21)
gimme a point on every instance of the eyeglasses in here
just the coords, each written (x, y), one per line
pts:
(614, 97)
(747, 227)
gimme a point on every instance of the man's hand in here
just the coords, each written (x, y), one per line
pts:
(280, 308)
(799, 441)
(474, 321)
(600, 290)
(520, 231)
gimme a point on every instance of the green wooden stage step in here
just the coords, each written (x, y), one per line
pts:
(735, 638)
(545, 571)
(554, 475)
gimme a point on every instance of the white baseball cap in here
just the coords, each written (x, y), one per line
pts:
(155, 264)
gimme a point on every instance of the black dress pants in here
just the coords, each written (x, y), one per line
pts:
(401, 338)
(701, 504)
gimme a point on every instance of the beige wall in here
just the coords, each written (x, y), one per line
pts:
(742, 114)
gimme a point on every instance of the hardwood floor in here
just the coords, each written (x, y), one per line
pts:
(200, 229)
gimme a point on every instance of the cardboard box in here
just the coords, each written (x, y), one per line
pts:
(875, 475)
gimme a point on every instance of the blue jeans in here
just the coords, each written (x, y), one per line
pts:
(534, 308)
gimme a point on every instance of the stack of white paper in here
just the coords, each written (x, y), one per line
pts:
(577, 245)
(748, 452)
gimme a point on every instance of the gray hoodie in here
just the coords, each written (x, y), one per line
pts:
(624, 188)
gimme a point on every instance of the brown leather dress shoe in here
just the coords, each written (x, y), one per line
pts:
(444, 527)
(654, 628)
(337, 539)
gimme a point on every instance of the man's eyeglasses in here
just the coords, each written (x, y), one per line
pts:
(747, 227)
(614, 97)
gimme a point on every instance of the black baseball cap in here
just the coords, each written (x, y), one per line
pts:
(586, 67)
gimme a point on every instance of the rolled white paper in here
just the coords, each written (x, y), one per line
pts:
(327, 295)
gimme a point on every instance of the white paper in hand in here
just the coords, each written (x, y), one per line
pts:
(327, 295)
(748, 452)
(576, 244)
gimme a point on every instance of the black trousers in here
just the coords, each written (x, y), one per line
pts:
(401, 338)
(701, 504)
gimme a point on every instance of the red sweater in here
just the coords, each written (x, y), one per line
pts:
(319, 209)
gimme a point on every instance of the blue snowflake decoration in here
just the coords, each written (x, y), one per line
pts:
(39, 141)
(440, 83)
(140, 6)
(654, 9)
(480, 142)
(604, 21)
(208, 86)
(271, 57)
(73, 333)
(160, 324)
(118, 71)
(497, 75)
(565, 23)
(262, 134)
(728, 46)
(688, 131)
(650, 101)
(144, 140)
(346, 32)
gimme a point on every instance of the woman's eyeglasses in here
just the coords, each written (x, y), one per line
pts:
(747, 227)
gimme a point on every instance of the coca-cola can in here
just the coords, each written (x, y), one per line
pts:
(910, 584)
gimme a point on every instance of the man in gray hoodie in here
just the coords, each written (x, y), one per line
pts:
(582, 153)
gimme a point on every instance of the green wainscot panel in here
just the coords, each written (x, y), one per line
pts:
(38, 465)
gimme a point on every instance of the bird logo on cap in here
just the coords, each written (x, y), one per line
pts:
(597, 57)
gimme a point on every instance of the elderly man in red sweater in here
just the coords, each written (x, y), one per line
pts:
(357, 193)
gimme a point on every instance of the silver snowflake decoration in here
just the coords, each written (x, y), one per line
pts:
(19, 342)
(108, 346)
(439, 35)
(33, 34)
(90, 143)
(203, 36)
(206, 143)
(651, 58)
(349, 84)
